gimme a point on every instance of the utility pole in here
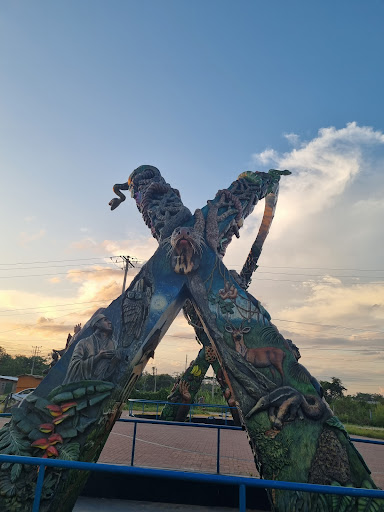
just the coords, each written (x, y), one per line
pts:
(186, 362)
(154, 371)
(36, 351)
(127, 265)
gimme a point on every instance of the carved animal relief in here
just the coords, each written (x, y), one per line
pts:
(279, 403)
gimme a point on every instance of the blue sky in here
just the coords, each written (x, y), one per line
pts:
(203, 90)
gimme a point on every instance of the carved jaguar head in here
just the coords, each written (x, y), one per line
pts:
(186, 249)
(185, 245)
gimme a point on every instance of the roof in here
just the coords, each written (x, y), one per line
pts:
(30, 375)
(6, 377)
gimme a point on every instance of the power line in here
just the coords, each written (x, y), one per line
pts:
(317, 268)
(111, 269)
(42, 312)
(228, 265)
(29, 326)
(316, 275)
(303, 281)
(61, 273)
(330, 326)
(326, 325)
(34, 355)
(50, 306)
(57, 261)
(128, 264)
(57, 266)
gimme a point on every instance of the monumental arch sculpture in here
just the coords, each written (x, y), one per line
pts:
(187, 386)
(293, 433)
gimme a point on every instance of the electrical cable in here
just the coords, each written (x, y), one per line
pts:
(63, 273)
(50, 306)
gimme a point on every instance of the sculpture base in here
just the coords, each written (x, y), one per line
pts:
(113, 486)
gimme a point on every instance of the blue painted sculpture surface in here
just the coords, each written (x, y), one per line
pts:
(293, 433)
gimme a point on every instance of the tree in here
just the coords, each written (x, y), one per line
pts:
(17, 365)
(333, 389)
(147, 381)
(369, 397)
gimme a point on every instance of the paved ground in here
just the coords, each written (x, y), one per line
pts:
(101, 505)
(373, 454)
(180, 448)
(194, 449)
(190, 449)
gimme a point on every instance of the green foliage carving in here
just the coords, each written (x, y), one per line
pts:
(13, 442)
(279, 402)
(369, 504)
(273, 454)
(342, 503)
(70, 451)
(226, 306)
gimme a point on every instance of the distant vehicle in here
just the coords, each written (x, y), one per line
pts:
(19, 397)
(16, 399)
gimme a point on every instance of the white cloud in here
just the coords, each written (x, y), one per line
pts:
(359, 306)
(141, 248)
(87, 243)
(332, 200)
(29, 218)
(321, 168)
(328, 219)
(292, 138)
(26, 238)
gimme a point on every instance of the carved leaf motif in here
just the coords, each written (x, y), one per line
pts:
(335, 422)
(213, 299)
(13, 442)
(227, 307)
(7, 487)
(70, 451)
(50, 481)
(15, 472)
(369, 504)
(342, 503)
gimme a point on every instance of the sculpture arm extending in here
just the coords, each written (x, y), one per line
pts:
(226, 213)
(159, 203)
(114, 203)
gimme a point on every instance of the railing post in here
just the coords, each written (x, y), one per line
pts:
(157, 410)
(218, 452)
(39, 488)
(133, 443)
(242, 498)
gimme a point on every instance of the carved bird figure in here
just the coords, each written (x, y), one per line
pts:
(135, 307)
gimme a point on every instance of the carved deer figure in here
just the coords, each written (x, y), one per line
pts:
(263, 357)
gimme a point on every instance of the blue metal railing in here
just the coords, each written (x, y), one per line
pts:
(242, 482)
(178, 423)
(132, 401)
(135, 421)
(196, 425)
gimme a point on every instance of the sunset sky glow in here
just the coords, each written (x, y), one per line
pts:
(204, 91)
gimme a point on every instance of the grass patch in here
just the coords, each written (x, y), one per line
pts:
(373, 432)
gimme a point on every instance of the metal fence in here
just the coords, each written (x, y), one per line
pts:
(241, 482)
(224, 409)
(219, 428)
